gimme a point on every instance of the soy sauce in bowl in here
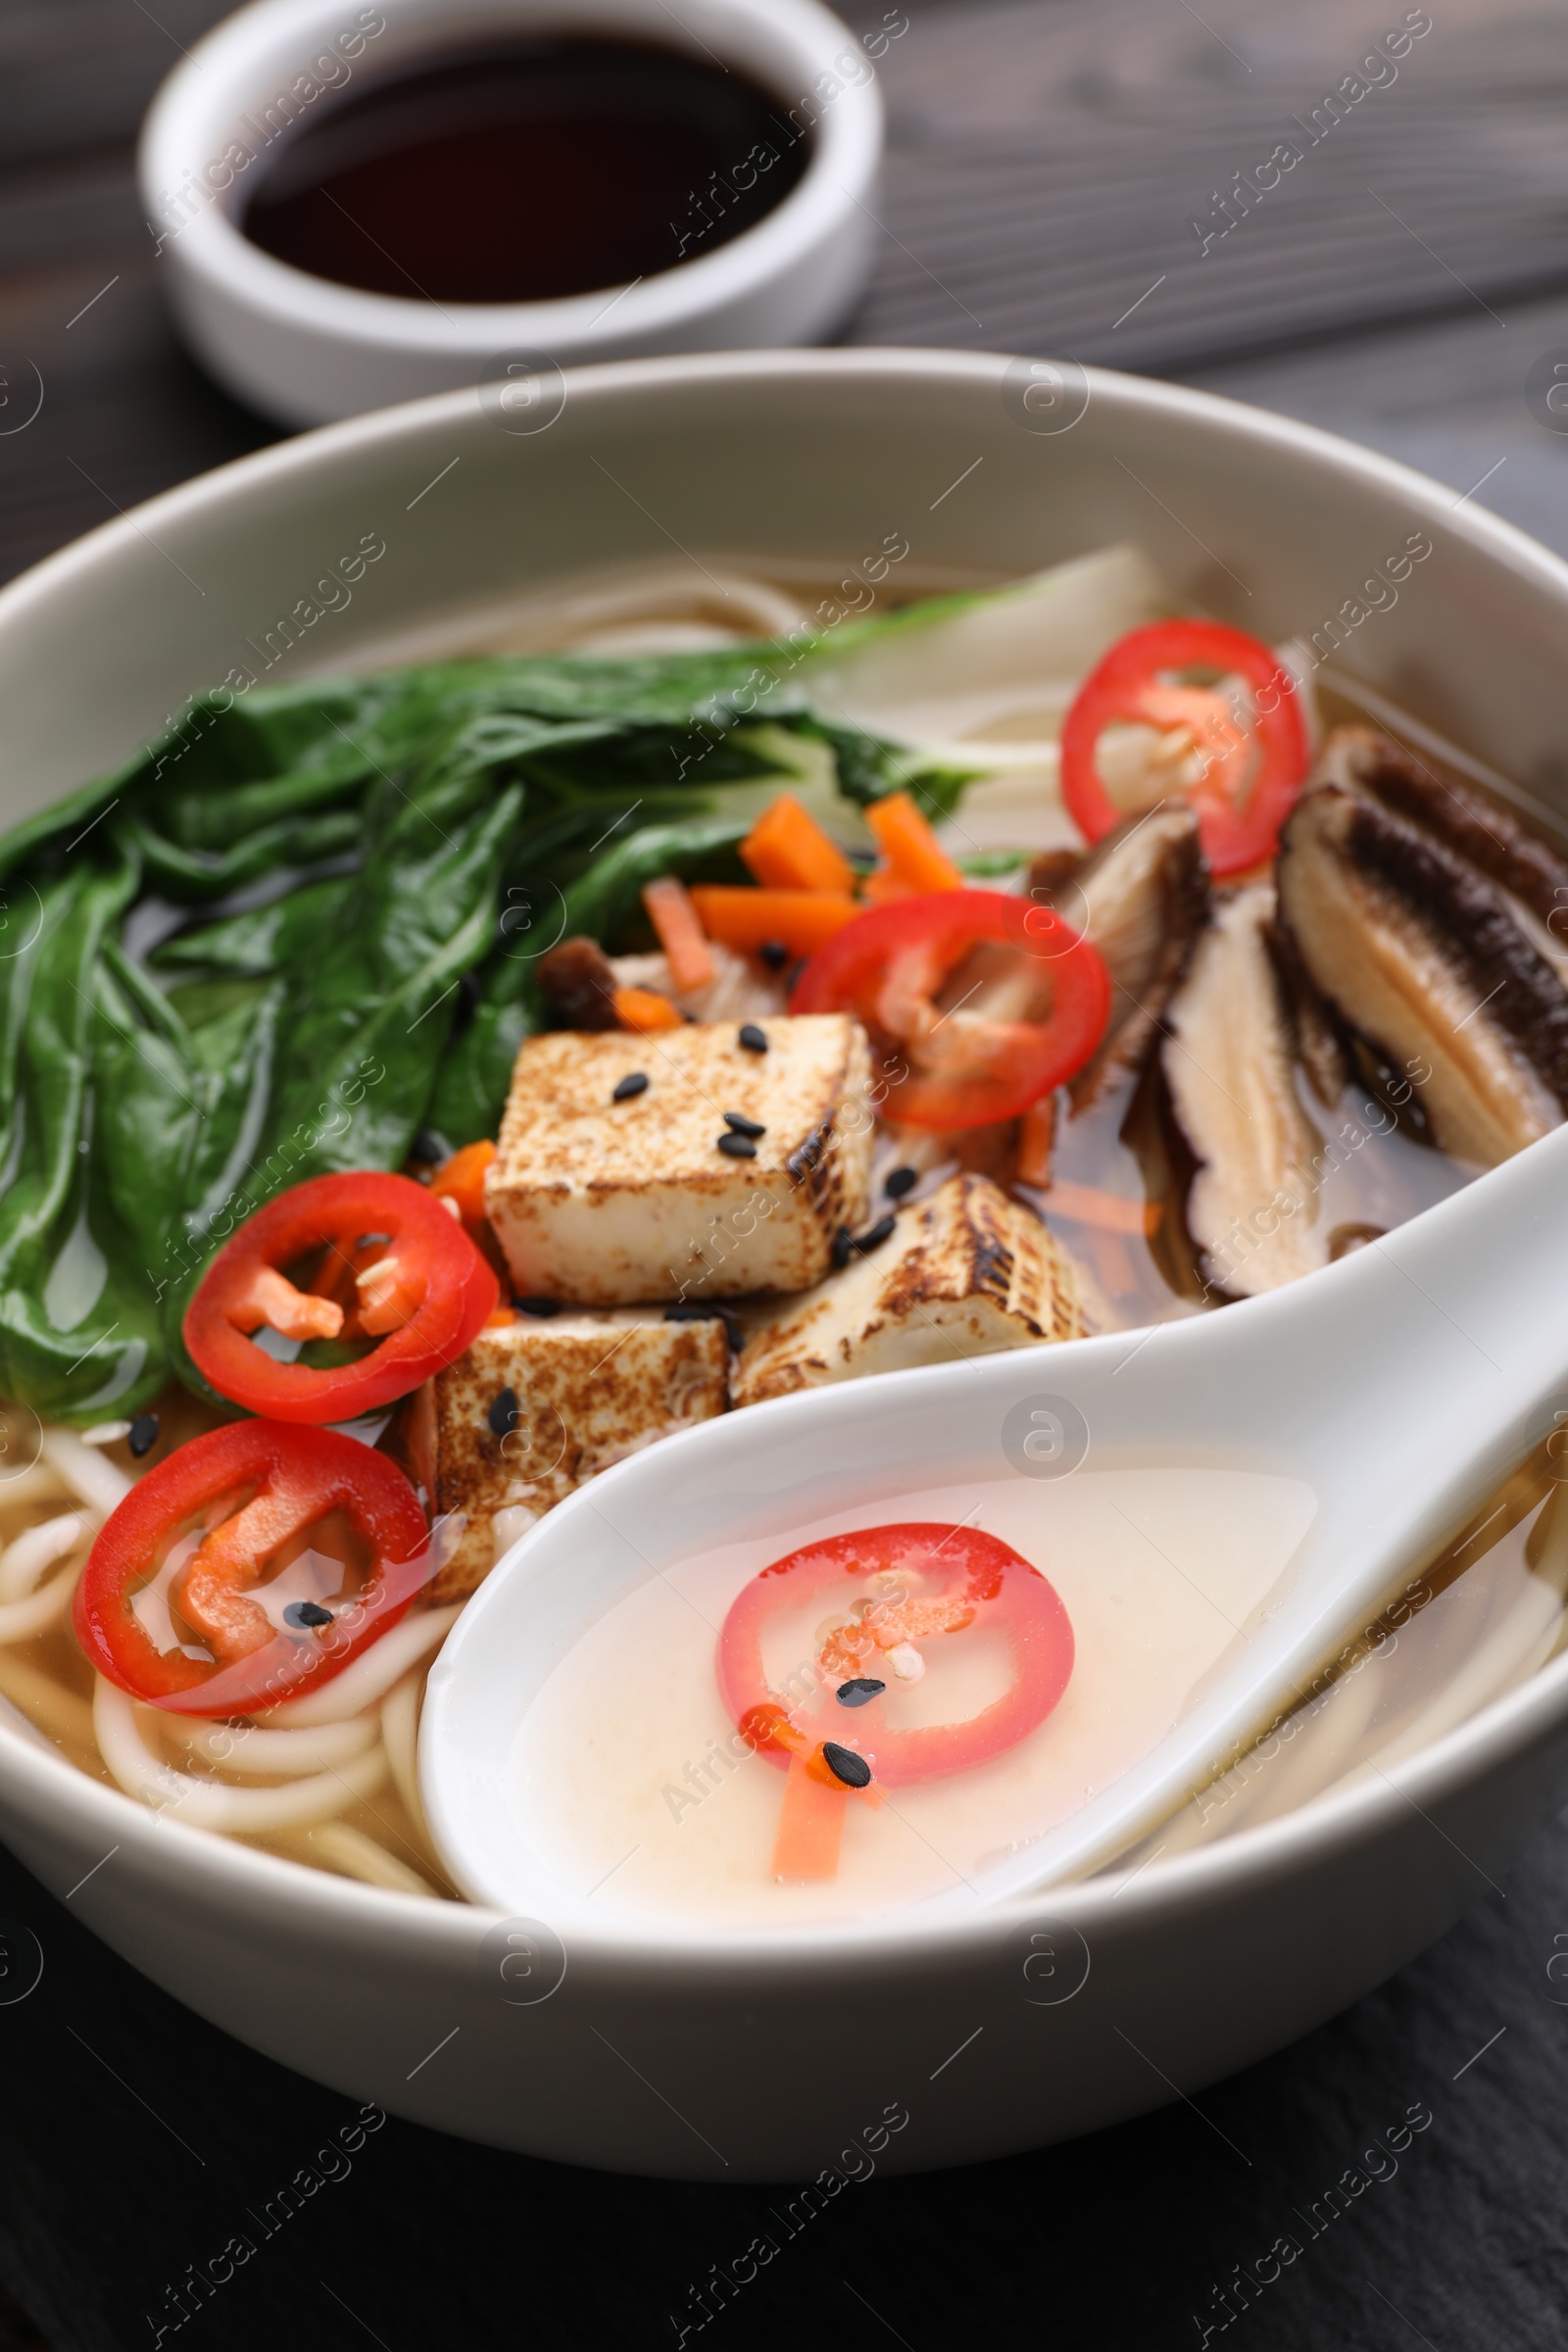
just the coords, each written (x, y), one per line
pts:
(527, 172)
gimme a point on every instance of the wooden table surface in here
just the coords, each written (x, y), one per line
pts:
(1054, 170)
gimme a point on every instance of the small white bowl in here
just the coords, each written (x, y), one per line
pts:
(749, 2055)
(307, 350)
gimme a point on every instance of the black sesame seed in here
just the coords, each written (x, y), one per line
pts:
(755, 1040)
(874, 1235)
(142, 1435)
(902, 1181)
(845, 1765)
(774, 954)
(431, 1147)
(693, 1310)
(840, 1252)
(856, 1693)
(635, 1082)
(504, 1415)
(307, 1612)
(737, 1146)
(537, 1306)
(739, 1124)
(794, 973)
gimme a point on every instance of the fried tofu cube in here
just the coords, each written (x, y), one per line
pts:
(585, 1390)
(731, 1169)
(962, 1273)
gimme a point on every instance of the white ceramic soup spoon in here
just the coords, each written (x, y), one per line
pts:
(1402, 1385)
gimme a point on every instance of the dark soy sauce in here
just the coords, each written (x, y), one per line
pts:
(544, 168)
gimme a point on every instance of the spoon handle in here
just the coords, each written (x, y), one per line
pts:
(1404, 1383)
(1427, 1361)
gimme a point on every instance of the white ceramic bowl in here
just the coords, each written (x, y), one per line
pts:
(735, 2057)
(307, 350)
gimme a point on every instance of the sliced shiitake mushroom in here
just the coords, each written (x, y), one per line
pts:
(1477, 825)
(1319, 1044)
(1252, 1204)
(1142, 898)
(578, 985)
(1426, 957)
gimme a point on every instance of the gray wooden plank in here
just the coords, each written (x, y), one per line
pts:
(1047, 166)
(1449, 398)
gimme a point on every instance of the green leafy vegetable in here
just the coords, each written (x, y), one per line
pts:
(306, 923)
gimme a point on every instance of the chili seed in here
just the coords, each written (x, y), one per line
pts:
(635, 1082)
(739, 1124)
(842, 1246)
(774, 954)
(737, 1146)
(504, 1414)
(755, 1040)
(537, 1306)
(902, 1181)
(845, 1765)
(430, 1146)
(307, 1612)
(858, 1692)
(142, 1434)
(874, 1235)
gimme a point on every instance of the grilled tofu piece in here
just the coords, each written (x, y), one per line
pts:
(536, 1408)
(731, 1169)
(963, 1273)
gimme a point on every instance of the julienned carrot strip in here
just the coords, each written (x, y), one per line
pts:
(909, 845)
(680, 933)
(461, 1179)
(811, 1826)
(1112, 1213)
(644, 1010)
(1037, 1132)
(788, 849)
(884, 886)
(801, 921)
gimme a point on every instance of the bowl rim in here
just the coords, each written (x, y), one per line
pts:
(225, 1874)
(192, 114)
(319, 448)
(278, 1894)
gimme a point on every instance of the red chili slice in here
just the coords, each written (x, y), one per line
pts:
(962, 1066)
(937, 1580)
(379, 1261)
(1253, 772)
(186, 1597)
